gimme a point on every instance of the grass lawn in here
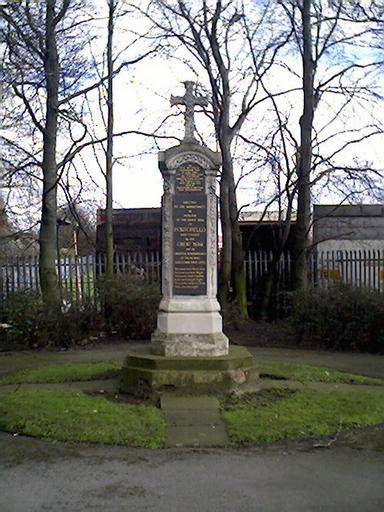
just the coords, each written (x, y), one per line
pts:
(65, 373)
(74, 416)
(308, 373)
(286, 415)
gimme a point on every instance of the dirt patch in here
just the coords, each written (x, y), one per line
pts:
(126, 398)
(264, 396)
(278, 334)
(263, 334)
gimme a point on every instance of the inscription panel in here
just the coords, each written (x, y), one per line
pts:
(190, 233)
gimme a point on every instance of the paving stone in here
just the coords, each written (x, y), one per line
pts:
(197, 436)
(184, 417)
(193, 421)
(170, 401)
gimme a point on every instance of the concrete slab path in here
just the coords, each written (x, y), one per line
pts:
(371, 365)
(193, 421)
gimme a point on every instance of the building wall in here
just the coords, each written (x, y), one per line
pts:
(139, 229)
(134, 229)
(347, 222)
(350, 244)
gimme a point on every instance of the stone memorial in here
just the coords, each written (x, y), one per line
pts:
(189, 351)
(189, 322)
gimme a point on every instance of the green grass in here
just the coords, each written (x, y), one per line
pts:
(65, 373)
(308, 373)
(302, 414)
(74, 416)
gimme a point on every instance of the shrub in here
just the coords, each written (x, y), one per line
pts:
(32, 326)
(130, 306)
(23, 312)
(341, 317)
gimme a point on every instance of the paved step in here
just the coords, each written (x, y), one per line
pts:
(193, 421)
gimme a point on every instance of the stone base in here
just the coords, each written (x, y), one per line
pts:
(189, 327)
(189, 345)
(145, 372)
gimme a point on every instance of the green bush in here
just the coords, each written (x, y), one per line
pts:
(341, 317)
(32, 326)
(23, 312)
(130, 306)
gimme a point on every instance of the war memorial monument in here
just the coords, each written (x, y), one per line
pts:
(189, 353)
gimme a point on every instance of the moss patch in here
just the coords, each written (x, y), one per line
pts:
(74, 416)
(65, 373)
(305, 413)
(308, 373)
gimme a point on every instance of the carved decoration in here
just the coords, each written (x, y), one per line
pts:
(167, 234)
(212, 238)
(186, 158)
(167, 184)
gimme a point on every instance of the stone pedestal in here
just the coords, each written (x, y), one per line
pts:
(189, 322)
(146, 373)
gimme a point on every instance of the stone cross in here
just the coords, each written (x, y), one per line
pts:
(189, 100)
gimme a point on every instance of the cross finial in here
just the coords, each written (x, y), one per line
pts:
(189, 100)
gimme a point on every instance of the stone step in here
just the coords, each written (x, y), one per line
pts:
(193, 421)
(173, 401)
(197, 436)
(188, 417)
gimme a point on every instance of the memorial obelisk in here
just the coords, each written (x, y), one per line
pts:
(189, 322)
(189, 353)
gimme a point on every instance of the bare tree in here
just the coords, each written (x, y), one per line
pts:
(109, 151)
(112, 63)
(324, 35)
(48, 71)
(210, 37)
(44, 76)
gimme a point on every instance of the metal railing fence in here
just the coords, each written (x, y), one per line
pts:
(79, 276)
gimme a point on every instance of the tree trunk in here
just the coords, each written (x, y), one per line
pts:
(109, 153)
(48, 228)
(238, 270)
(232, 273)
(300, 270)
(226, 252)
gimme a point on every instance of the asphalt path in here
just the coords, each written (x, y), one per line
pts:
(38, 476)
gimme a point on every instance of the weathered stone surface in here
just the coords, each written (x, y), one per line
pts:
(198, 436)
(189, 345)
(235, 372)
